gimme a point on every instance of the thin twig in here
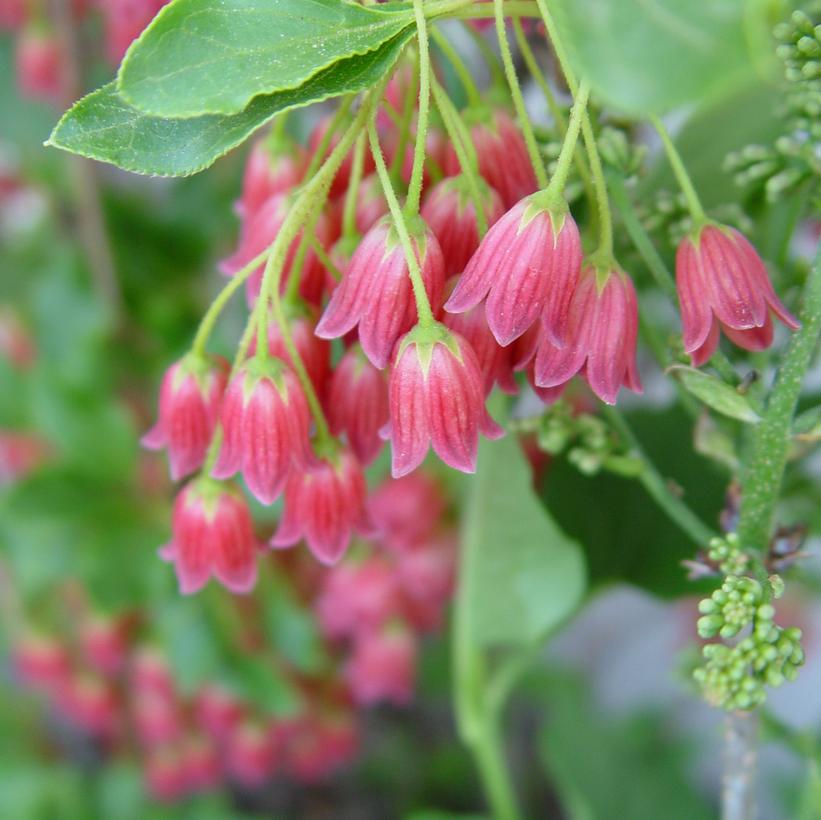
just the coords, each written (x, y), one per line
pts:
(88, 205)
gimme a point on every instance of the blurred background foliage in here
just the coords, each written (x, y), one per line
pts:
(582, 745)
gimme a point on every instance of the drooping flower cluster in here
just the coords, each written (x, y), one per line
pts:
(378, 603)
(123, 696)
(422, 313)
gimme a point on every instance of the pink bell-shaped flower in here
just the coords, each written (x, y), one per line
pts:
(258, 232)
(324, 504)
(269, 171)
(527, 268)
(723, 285)
(376, 294)
(450, 212)
(165, 775)
(370, 203)
(357, 596)
(436, 395)
(504, 161)
(190, 400)
(383, 665)
(601, 343)
(265, 427)
(251, 753)
(358, 403)
(407, 510)
(495, 361)
(212, 534)
(314, 352)
(39, 65)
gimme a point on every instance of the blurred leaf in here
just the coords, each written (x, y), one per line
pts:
(611, 768)
(189, 643)
(526, 575)
(103, 126)
(258, 680)
(807, 425)
(121, 793)
(215, 56)
(715, 393)
(625, 535)
(711, 441)
(291, 630)
(650, 56)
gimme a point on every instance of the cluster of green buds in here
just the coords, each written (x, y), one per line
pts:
(794, 159)
(587, 440)
(735, 676)
(620, 152)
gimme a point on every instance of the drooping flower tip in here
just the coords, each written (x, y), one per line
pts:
(407, 510)
(601, 339)
(383, 666)
(259, 229)
(265, 424)
(504, 161)
(723, 284)
(212, 534)
(269, 172)
(325, 503)
(436, 396)
(189, 407)
(526, 268)
(358, 403)
(375, 293)
(450, 211)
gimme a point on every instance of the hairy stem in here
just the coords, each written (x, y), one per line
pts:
(352, 194)
(569, 145)
(605, 248)
(465, 152)
(217, 306)
(462, 71)
(415, 186)
(516, 94)
(764, 471)
(680, 171)
(423, 308)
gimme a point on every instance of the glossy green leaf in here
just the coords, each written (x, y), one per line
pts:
(626, 536)
(104, 127)
(650, 56)
(214, 56)
(715, 393)
(526, 575)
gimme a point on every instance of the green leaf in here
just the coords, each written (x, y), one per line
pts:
(103, 126)
(715, 393)
(589, 756)
(625, 534)
(214, 56)
(650, 56)
(527, 576)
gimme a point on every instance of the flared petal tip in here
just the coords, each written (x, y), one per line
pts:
(241, 583)
(155, 438)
